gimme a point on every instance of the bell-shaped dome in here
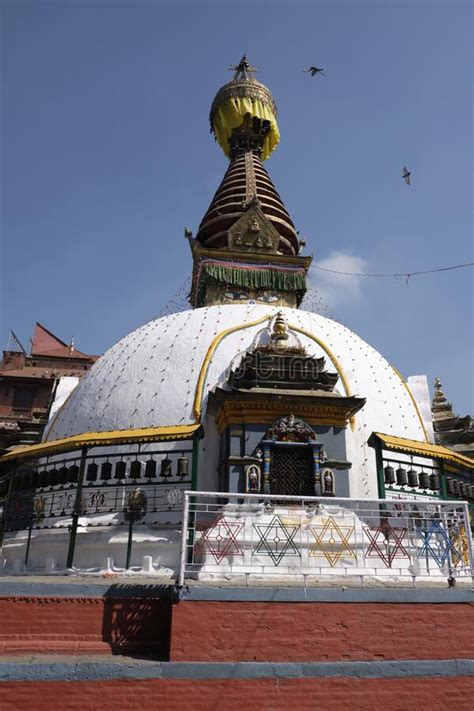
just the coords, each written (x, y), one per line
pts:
(162, 373)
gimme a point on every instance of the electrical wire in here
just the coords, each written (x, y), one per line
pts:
(397, 274)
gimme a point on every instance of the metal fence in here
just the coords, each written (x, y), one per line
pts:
(255, 535)
(125, 488)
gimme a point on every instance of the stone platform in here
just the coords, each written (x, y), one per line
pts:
(68, 643)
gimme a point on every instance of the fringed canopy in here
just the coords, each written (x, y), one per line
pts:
(250, 276)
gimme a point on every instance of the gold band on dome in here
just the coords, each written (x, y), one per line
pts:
(210, 352)
(333, 360)
(412, 398)
(217, 340)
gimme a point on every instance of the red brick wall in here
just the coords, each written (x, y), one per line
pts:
(42, 394)
(100, 625)
(238, 631)
(336, 694)
(266, 631)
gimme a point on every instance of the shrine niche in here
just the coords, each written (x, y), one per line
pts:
(328, 482)
(280, 361)
(292, 459)
(292, 471)
(253, 479)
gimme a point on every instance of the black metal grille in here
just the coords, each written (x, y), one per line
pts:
(292, 471)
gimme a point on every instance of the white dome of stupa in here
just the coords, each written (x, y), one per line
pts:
(162, 373)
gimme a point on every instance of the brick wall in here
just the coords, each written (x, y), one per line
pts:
(237, 631)
(335, 694)
(221, 631)
(84, 625)
(42, 394)
(266, 631)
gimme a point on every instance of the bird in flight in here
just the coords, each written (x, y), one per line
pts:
(315, 70)
(406, 175)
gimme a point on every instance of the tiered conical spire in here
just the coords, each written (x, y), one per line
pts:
(450, 429)
(441, 407)
(245, 180)
(247, 241)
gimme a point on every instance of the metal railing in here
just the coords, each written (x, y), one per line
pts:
(256, 535)
(125, 488)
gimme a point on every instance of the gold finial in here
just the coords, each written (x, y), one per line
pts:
(280, 332)
(242, 69)
(243, 107)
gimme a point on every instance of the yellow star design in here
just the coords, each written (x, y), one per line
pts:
(332, 540)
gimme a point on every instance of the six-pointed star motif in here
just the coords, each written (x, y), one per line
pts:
(276, 539)
(386, 542)
(221, 540)
(332, 540)
(438, 543)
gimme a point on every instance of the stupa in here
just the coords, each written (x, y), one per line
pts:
(206, 398)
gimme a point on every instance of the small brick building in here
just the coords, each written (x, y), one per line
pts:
(29, 384)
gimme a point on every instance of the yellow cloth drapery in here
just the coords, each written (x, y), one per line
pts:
(231, 114)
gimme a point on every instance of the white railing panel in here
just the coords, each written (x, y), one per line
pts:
(252, 534)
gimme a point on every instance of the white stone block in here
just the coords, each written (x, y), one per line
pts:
(147, 566)
(50, 566)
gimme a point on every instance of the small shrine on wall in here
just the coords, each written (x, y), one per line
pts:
(276, 379)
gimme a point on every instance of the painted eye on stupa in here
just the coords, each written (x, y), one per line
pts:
(268, 298)
(236, 295)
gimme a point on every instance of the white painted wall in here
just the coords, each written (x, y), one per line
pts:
(65, 387)
(420, 390)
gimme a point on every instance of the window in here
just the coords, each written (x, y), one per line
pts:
(292, 470)
(23, 398)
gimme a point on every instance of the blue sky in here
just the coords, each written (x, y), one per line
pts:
(107, 155)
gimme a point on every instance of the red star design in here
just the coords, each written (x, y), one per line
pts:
(392, 543)
(221, 539)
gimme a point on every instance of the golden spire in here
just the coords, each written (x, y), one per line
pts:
(242, 69)
(243, 114)
(280, 332)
